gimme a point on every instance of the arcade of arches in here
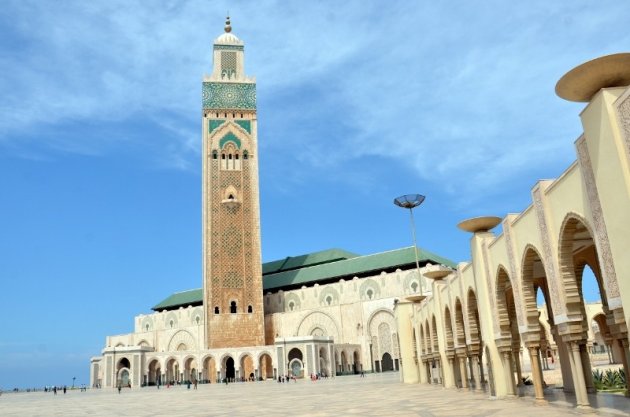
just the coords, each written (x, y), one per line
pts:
(520, 303)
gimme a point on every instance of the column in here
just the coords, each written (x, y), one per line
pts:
(537, 376)
(588, 373)
(578, 375)
(509, 373)
(462, 371)
(482, 375)
(517, 363)
(476, 366)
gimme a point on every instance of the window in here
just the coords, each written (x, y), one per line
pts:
(222, 156)
(216, 310)
(147, 327)
(233, 307)
(414, 286)
(250, 309)
(370, 294)
(171, 323)
(245, 155)
(291, 305)
(329, 300)
(214, 154)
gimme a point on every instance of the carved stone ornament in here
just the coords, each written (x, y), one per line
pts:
(599, 226)
(550, 265)
(516, 279)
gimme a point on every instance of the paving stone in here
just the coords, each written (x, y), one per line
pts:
(375, 395)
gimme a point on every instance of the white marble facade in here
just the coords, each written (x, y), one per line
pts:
(355, 315)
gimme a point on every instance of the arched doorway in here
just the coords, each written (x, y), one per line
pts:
(509, 344)
(247, 368)
(172, 371)
(344, 363)
(190, 370)
(436, 364)
(460, 345)
(265, 366)
(123, 377)
(230, 372)
(476, 342)
(209, 370)
(577, 250)
(356, 364)
(450, 347)
(387, 364)
(296, 366)
(154, 373)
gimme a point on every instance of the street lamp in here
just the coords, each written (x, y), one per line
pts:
(411, 201)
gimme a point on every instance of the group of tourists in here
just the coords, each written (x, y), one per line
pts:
(287, 378)
(55, 388)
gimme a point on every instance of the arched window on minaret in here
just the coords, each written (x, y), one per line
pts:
(250, 309)
(215, 154)
(216, 310)
(233, 307)
(245, 155)
(230, 156)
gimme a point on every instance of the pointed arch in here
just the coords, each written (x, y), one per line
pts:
(460, 331)
(503, 283)
(534, 276)
(473, 319)
(448, 329)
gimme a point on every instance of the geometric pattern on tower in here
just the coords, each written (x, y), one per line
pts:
(228, 96)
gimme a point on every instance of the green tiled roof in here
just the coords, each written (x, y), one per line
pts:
(358, 266)
(184, 298)
(310, 259)
(323, 266)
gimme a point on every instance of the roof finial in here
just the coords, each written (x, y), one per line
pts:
(228, 27)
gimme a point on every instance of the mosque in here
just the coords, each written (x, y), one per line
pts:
(473, 325)
(329, 312)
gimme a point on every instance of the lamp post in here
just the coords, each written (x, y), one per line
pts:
(411, 201)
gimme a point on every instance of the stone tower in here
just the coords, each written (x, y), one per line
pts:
(232, 274)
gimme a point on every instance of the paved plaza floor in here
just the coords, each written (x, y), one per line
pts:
(375, 395)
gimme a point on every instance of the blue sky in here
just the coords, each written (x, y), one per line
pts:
(358, 102)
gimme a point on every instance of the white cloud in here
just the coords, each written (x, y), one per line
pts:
(458, 90)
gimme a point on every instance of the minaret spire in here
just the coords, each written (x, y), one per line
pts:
(228, 26)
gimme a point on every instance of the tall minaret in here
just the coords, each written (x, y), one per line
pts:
(232, 272)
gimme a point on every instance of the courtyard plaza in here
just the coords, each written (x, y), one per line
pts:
(374, 395)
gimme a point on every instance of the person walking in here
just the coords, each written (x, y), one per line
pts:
(64, 389)
(119, 387)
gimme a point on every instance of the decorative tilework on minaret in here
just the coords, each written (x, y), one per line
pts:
(232, 274)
